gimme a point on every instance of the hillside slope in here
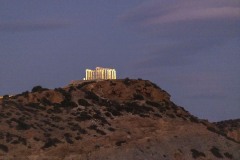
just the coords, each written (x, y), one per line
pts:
(111, 119)
(231, 128)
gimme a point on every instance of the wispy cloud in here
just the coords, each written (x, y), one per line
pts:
(160, 12)
(194, 14)
(191, 27)
(185, 17)
(25, 26)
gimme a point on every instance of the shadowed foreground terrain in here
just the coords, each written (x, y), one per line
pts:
(111, 119)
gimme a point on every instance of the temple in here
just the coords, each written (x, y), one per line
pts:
(100, 73)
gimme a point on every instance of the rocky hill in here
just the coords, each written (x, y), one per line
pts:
(231, 128)
(111, 119)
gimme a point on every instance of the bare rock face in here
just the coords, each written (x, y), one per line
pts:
(110, 119)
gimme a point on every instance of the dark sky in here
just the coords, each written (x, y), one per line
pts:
(189, 48)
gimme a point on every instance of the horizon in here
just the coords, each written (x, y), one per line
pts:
(188, 48)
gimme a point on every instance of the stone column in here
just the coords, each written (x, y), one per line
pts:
(114, 74)
(105, 74)
(102, 74)
(109, 74)
(94, 75)
(88, 74)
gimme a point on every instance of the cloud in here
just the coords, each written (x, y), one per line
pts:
(167, 18)
(160, 12)
(190, 27)
(194, 14)
(25, 26)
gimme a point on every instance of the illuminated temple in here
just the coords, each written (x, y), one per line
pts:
(100, 73)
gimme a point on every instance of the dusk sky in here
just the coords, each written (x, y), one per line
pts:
(189, 48)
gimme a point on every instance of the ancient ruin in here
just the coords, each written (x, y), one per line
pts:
(100, 73)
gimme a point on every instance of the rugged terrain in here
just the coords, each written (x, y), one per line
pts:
(231, 128)
(111, 119)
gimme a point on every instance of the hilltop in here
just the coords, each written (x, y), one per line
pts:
(109, 119)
